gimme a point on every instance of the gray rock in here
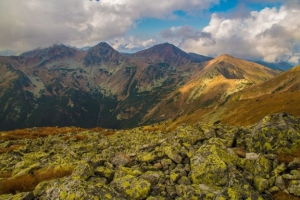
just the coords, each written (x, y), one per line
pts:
(173, 153)
(120, 160)
(280, 183)
(295, 164)
(131, 187)
(171, 191)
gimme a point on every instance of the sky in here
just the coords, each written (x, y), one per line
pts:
(266, 30)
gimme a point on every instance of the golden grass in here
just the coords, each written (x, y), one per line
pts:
(5, 174)
(250, 111)
(9, 149)
(80, 137)
(32, 133)
(109, 132)
(288, 157)
(284, 196)
(28, 182)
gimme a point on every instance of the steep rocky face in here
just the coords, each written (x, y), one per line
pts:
(192, 162)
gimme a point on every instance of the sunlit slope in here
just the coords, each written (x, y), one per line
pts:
(279, 94)
(211, 87)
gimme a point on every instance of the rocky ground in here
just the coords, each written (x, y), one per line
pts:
(193, 162)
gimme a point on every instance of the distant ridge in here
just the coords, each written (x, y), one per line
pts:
(64, 86)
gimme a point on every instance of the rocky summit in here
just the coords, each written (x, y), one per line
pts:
(203, 161)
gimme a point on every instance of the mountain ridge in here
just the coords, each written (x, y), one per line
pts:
(102, 87)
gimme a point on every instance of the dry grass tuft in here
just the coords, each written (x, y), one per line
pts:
(109, 132)
(5, 174)
(9, 149)
(32, 133)
(28, 182)
(80, 137)
(288, 157)
(282, 195)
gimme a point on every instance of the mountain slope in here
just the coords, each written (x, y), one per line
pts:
(211, 87)
(90, 88)
(168, 53)
(278, 94)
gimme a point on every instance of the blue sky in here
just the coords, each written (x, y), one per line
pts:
(250, 29)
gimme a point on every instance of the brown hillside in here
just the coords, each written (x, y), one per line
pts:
(211, 87)
(248, 106)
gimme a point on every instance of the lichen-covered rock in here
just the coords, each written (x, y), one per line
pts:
(295, 164)
(279, 169)
(120, 159)
(173, 153)
(19, 196)
(275, 132)
(280, 183)
(82, 171)
(67, 188)
(152, 176)
(147, 157)
(238, 188)
(123, 171)
(205, 161)
(131, 187)
(105, 172)
(294, 187)
(209, 165)
(261, 184)
(260, 167)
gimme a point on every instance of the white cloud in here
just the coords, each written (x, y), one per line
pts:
(29, 24)
(131, 44)
(270, 34)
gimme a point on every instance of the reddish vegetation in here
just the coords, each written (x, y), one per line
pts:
(5, 174)
(31, 133)
(9, 149)
(282, 195)
(29, 181)
(288, 157)
(80, 137)
(109, 132)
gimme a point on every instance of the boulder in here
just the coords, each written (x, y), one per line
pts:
(120, 159)
(68, 188)
(173, 153)
(82, 171)
(152, 176)
(131, 187)
(294, 187)
(209, 165)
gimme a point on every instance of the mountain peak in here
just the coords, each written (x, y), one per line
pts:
(225, 57)
(56, 50)
(164, 52)
(102, 52)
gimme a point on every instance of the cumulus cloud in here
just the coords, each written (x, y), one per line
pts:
(131, 44)
(270, 34)
(34, 23)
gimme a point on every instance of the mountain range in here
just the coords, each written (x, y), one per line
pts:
(64, 86)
